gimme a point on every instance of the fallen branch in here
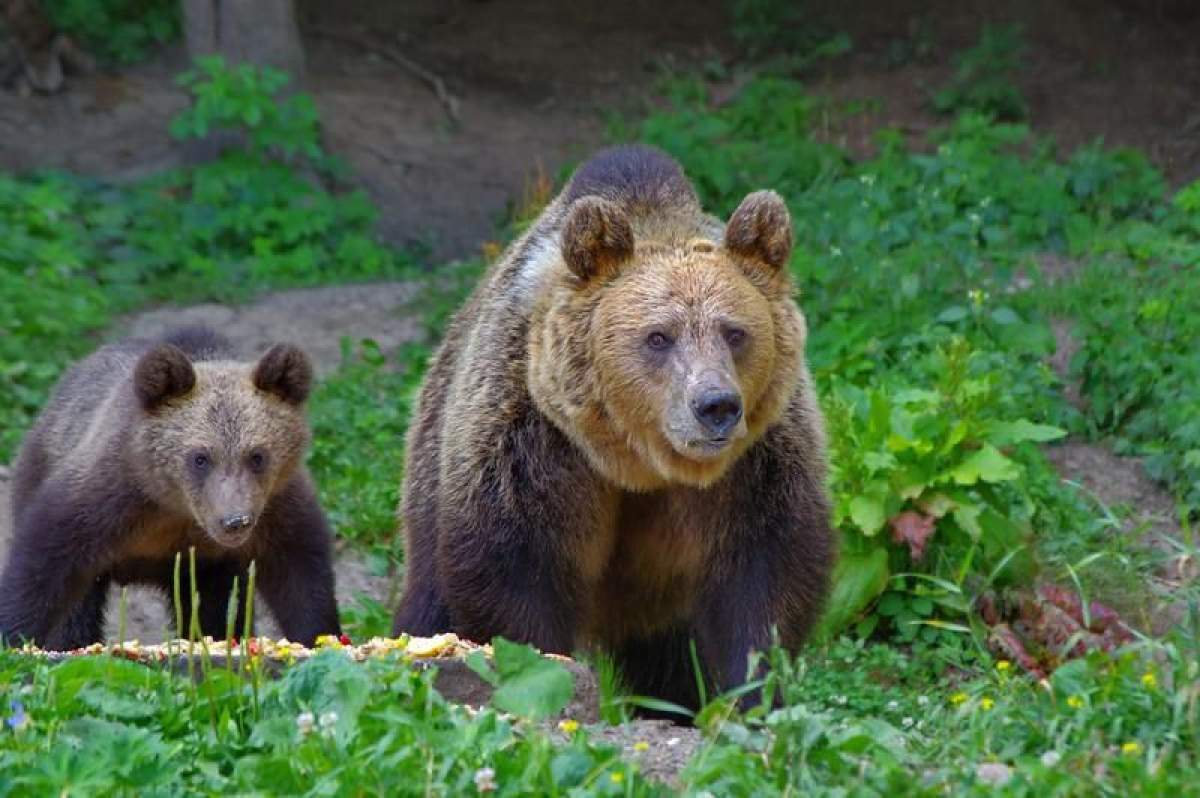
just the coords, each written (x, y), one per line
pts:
(364, 42)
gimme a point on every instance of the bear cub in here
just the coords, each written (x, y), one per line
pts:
(147, 448)
(618, 443)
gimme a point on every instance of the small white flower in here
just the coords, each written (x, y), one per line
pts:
(485, 780)
(893, 705)
(995, 773)
(304, 723)
(922, 700)
(906, 722)
(840, 700)
(327, 721)
(1051, 758)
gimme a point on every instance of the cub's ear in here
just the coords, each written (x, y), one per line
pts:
(162, 374)
(761, 229)
(286, 372)
(596, 238)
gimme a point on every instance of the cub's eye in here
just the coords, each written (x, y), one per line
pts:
(200, 461)
(257, 461)
(735, 337)
(658, 341)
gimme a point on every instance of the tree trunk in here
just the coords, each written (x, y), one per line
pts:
(263, 32)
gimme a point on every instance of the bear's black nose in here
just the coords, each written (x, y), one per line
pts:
(718, 410)
(232, 523)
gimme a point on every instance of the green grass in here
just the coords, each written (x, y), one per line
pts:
(859, 719)
(877, 720)
(101, 726)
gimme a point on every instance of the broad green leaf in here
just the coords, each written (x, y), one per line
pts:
(868, 514)
(531, 686)
(1004, 433)
(984, 465)
(952, 314)
(967, 517)
(857, 580)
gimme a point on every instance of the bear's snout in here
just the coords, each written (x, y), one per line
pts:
(237, 522)
(718, 410)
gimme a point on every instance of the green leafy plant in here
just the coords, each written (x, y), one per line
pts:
(983, 79)
(246, 99)
(122, 31)
(526, 683)
(791, 29)
(920, 480)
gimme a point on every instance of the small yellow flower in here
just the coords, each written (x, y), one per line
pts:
(1074, 701)
(986, 703)
(1131, 748)
(569, 726)
(617, 777)
(641, 745)
(958, 698)
(1003, 665)
(1149, 680)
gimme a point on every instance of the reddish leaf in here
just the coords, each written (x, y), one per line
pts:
(915, 529)
(1006, 643)
(986, 606)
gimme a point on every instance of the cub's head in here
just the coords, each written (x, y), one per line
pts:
(666, 361)
(217, 439)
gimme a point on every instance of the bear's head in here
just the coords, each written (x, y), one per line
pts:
(665, 359)
(216, 439)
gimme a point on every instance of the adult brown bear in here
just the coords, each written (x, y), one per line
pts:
(618, 442)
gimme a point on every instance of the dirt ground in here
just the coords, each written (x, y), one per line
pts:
(535, 81)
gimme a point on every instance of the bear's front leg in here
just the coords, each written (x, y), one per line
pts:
(294, 564)
(521, 522)
(61, 542)
(774, 554)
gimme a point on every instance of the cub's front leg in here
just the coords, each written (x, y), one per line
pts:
(295, 564)
(62, 541)
(519, 522)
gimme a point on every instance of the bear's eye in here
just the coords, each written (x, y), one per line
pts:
(658, 341)
(200, 461)
(735, 337)
(257, 461)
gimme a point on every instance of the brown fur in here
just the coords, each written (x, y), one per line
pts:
(148, 448)
(618, 441)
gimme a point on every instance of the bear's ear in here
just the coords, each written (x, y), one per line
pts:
(162, 374)
(761, 229)
(284, 371)
(596, 237)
